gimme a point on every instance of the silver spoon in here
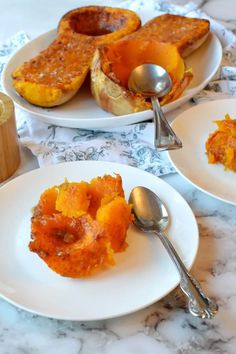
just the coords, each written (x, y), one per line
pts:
(153, 81)
(150, 215)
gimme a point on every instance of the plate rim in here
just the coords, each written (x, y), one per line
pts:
(170, 154)
(97, 122)
(117, 165)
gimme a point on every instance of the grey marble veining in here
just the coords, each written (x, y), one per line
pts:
(164, 327)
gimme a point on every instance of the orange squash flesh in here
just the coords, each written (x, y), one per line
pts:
(102, 24)
(76, 227)
(104, 189)
(112, 65)
(115, 227)
(70, 246)
(120, 58)
(47, 202)
(221, 144)
(73, 199)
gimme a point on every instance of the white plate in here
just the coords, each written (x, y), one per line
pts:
(193, 127)
(83, 112)
(143, 274)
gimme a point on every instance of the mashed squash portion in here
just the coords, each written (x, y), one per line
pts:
(221, 145)
(77, 227)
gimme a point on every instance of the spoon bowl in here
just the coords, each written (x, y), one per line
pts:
(151, 80)
(151, 215)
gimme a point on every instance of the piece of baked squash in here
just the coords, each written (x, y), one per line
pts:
(56, 74)
(113, 64)
(77, 227)
(221, 144)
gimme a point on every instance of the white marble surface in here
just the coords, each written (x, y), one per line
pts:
(165, 327)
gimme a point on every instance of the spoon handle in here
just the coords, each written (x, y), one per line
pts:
(165, 137)
(198, 303)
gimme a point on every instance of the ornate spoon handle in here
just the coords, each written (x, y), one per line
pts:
(165, 137)
(198, 303)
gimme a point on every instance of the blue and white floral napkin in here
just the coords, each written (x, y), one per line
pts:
(131, 145)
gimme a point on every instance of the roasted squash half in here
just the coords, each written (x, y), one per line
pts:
(56, 74)
(113, 64)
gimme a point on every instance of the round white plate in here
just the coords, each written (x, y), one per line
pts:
(142, 275)
(83, 112)
(193, 127)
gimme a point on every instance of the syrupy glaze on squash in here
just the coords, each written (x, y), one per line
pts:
(221, 144)
(54, 75)
(98, 23)
(104, 23)
(185, 33)
(77, 227)
(57, 66)
(80, 31)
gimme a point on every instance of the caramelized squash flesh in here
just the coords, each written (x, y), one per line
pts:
(77, 227)
(104, 23)
(56, 74)
(120, 58)
(221, 144)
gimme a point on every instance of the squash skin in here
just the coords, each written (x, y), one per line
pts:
(70, 55)
(110, 95)
(114, 97)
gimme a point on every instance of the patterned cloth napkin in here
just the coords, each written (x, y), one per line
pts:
(131, 145)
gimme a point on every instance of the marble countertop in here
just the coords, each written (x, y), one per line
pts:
(165, 327)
